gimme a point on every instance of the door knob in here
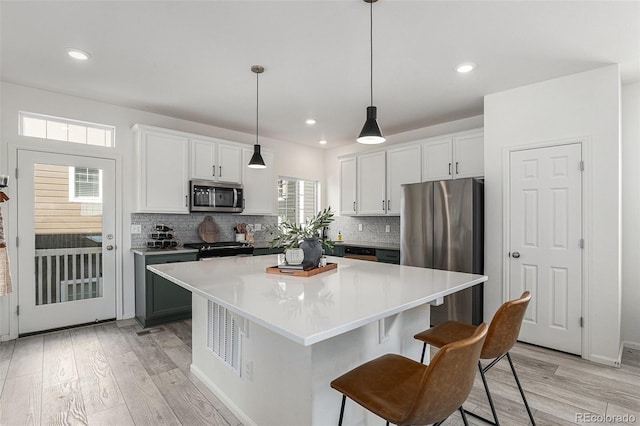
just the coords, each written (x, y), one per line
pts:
(515, 254)
(109, 247)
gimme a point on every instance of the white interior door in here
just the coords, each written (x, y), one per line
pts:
(545, 247)
(66, 249)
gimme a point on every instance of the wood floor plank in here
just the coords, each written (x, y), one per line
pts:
(616, 410)
(181, 357)
(98, 384)
(27, 357)
(146, 404)
(62, 404)
(60, 365)
(83, 336)
(6, 352)
(191, 407)
(118, 415)
(230, 418)
(152, 357)
(21, 402)
(631, 357)
(167, 339)
(112, 341)
(181, 329)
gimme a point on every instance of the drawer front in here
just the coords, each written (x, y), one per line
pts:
(388, 256)
(169, 258)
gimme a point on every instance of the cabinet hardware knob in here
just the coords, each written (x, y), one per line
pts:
(214, 170)
(354, 206)
(457, 172)
(449, 168)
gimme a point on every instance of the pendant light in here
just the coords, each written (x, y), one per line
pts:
(371, 133)
(256, 161)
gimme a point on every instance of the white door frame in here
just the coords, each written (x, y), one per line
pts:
(587, 187)
(55, 147)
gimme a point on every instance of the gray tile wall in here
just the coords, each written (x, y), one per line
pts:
(373, 229)
(186, 226)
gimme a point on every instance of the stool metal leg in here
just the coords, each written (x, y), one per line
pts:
(344, 398)
(464, 416)
(424, 347)
(524, 399)
(486, 388)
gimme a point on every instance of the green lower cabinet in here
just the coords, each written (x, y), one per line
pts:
(337, 250)
(267, 250)
(388, 256)
(158, 300)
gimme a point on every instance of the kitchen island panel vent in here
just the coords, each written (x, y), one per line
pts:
(223, 335)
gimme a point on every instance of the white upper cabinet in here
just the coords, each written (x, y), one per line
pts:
(371, 184)
(348, 186)
(403, 166)
(212, 159)
(436, 159)
(259, 185)
(163, 171)
(468, 152)
(456, 156)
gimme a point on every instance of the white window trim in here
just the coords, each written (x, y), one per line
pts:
(72, 188)
(67, 121)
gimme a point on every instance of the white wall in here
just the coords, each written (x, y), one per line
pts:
(332, 164)
(631, 214)
(585, 105)
(292, 160)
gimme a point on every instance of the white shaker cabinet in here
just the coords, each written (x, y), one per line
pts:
(348, 186)
(162, 171)
(403, 166)
(259, 185)
(371, 184)
(212, 159)
(455, 156)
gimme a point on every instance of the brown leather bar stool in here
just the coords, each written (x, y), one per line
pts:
(502, 335)
(405, 392)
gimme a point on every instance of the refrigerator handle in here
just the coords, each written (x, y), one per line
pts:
(449, 169)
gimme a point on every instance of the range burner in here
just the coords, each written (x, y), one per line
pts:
(221, 249)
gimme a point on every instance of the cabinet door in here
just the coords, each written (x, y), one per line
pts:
(259, 185)
(371, 186)
(229, 168)
(163, 174)
(403, 166)
(437, 161)
(348, 186)
(203, 159)
(468, 152)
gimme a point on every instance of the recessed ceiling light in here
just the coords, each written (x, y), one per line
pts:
(78, 54)
(322, 142)
(311, 121)
(465, 67)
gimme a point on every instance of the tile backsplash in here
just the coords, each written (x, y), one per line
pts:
(186, 227)
(373, 229)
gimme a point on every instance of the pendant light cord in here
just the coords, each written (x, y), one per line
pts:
(257, 103)
(371, 47)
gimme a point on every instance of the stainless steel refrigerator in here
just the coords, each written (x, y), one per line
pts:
(442, 227)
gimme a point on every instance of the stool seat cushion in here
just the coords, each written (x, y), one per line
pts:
(445, 333)
(386, 386)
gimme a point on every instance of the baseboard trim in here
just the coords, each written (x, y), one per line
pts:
(611, 362)
(241, 415)
(631, 345)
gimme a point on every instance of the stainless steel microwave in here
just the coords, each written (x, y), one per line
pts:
(210, 196)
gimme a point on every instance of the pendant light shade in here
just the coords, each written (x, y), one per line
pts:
(257, 162)
(371, 133)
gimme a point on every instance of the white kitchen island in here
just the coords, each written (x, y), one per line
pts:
(288, 337)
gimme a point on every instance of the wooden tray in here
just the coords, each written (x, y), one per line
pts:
(300, 273)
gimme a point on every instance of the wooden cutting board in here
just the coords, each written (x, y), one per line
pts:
(208, 230)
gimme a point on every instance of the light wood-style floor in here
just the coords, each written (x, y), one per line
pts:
(119, 374)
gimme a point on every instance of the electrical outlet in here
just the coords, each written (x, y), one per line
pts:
(359, 227)
(257, 227)
(387, 228)
(136, 229)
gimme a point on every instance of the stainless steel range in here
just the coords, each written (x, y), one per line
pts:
(221, 249)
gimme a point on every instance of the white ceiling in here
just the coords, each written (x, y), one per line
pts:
(192, 59)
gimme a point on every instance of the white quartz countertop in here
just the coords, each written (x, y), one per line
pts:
(308, 310)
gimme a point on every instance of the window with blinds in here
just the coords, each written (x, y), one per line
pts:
(297, 200)
(85, 185)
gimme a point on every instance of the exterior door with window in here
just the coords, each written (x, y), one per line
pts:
(66, 246)
(545, 247)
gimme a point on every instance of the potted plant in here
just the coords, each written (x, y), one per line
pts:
(305, 237)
